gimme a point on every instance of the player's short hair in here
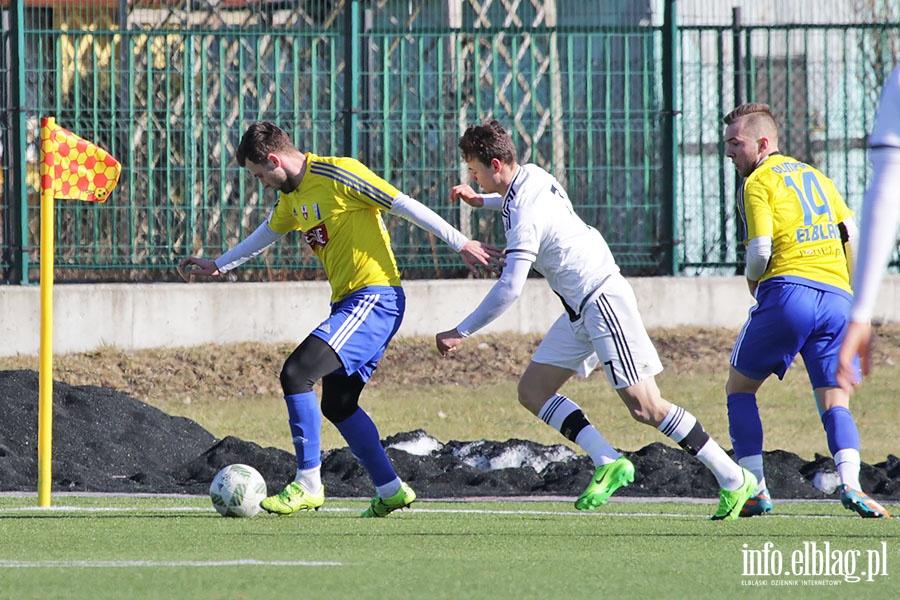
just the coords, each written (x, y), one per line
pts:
(755, 110)
(261, 139)
(486, 142)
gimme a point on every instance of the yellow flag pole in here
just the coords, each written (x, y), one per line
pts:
(71, 168)
(45, 401)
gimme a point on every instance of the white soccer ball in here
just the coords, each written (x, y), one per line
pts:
(237, 490)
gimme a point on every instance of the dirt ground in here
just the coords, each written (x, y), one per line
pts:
(167, 373)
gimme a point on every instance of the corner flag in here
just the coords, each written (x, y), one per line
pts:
(72, 169)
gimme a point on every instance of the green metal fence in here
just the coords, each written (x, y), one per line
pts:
(823, 84)
(620, 101)
(169, 93)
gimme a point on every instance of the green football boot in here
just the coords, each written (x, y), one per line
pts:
(732, 501)
(293, 498)
(607, 479)
(382, 507)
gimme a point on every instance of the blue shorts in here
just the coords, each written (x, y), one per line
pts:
(361, 325)
(790, 319)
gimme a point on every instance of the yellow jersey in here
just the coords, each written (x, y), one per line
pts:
(800, 209)
(337, 207)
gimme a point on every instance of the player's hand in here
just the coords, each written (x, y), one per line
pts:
(857, 341)
(464, 192)
(478, 254)
(193, 265)
(447, 341)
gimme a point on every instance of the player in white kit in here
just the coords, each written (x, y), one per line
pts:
(877, 231)
(601, 325)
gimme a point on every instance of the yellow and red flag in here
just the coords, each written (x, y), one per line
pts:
(73, 168)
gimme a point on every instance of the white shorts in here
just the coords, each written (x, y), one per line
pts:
(610, 332)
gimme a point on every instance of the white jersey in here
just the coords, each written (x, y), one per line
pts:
(886, 131)
(602, 324)
(541, 224)
(881, 205)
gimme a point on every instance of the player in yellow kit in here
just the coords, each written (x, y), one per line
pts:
(798, 230)
(336, 204)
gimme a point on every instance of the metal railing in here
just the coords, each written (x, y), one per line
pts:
(625, 111)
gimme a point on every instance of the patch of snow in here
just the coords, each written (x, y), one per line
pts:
(424, 445)
(513, 457)
(826, 481)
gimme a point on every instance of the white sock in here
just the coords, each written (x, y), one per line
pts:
(596, 446)
(310, 479)
(680, 424)
(754, 464)
(556, 412)
(847, 462)
(388, 489)
(729, 475)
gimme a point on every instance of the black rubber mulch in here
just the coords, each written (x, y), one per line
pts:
(105, 441)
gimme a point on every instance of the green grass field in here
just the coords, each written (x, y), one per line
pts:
(164, 547)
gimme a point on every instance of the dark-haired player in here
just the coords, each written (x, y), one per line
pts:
(336, 204)
(601, 325)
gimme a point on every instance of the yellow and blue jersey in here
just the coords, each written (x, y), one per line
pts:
(800, 209)
(337, 207)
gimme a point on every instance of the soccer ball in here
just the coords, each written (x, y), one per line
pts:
(237, 490)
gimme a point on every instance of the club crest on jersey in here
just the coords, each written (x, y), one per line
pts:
(317, 237)
(304, 211)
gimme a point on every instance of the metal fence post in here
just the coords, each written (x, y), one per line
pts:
(740, 95)
(17, 216)
(669, 149)
(351, 78)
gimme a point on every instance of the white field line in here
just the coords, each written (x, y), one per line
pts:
(104, 564)
(417, 509)
(455, 499)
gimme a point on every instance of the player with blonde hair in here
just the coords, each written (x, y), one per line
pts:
(798, 235)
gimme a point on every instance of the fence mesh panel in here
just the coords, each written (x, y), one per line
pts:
(169, 86)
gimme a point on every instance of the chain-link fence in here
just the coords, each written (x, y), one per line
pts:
(622, 100)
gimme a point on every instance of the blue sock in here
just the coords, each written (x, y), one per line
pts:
(306, 428)
(840, 429)
(744, 425)
(365, 444)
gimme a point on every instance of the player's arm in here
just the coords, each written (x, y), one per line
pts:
(760, 231)
(877, 231)
(857, 342)
(464, 192)
(850, 240)
(501, 296)
(251, 246)
(847, 228)
(417, 213)
(473, 252)
(759, 252)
